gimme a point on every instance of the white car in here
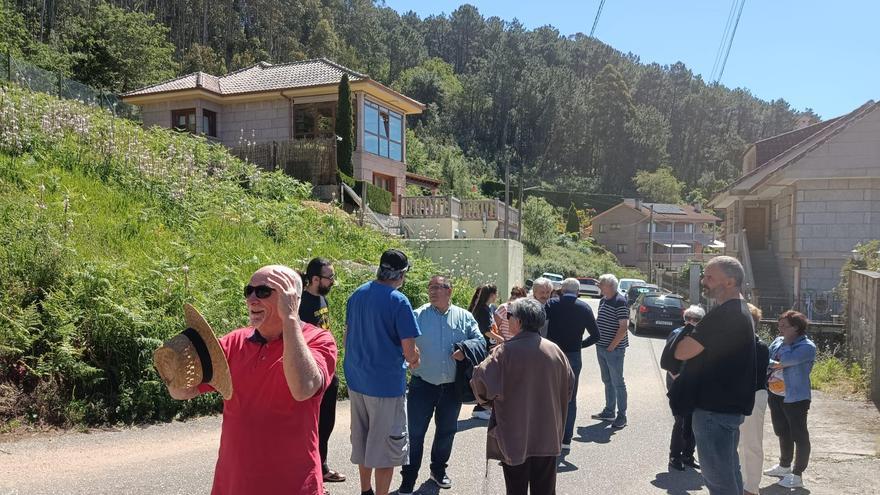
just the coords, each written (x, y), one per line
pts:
(589, 287)
(555, 278)
(625, 283)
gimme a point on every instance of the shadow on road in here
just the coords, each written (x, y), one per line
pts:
(564, 465)
(775, 489)
(470, 424)
(597, 433)
(427, 488)
(678, 482)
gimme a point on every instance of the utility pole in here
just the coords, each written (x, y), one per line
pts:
(520, 205)
(651, 245)
(507, 200)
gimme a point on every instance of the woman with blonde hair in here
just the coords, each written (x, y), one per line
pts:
(751, 431)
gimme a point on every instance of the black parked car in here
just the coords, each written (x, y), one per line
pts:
(653, 311)
(637, 289)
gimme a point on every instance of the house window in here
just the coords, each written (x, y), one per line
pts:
(688, 228)
(184, 120)
(776, 211)
(603, 228)
(383, 131)
(615, 226)
(385, 182)
(209, 123)
(314, 120)
(621, 248)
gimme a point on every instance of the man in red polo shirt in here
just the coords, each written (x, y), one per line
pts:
(280, 368)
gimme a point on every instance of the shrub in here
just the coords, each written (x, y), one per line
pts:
(378, 199)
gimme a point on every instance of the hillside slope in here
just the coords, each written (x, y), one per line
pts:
(107, 229)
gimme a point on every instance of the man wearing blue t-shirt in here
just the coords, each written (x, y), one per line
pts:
(379, 343)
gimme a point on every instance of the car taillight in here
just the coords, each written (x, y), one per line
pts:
(643, 309)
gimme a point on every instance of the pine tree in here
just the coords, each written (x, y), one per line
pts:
(573, 224)
(345, 145)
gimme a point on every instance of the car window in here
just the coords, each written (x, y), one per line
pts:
(669, 302)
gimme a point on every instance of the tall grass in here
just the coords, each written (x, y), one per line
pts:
(106, 229)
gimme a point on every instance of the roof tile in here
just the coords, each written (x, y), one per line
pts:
(259, 77)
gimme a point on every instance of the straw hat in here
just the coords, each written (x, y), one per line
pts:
(193, 357)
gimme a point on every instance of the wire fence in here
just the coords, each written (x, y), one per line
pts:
(54, 83)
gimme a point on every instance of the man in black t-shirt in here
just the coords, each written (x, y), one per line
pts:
(720, 356)
(317, 282)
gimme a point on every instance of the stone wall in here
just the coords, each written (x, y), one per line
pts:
(863, 323)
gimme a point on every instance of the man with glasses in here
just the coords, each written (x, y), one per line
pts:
(317, 282)
(380, 333)
(431, 392)
(280, 367)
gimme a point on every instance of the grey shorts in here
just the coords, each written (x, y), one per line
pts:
(379, 436)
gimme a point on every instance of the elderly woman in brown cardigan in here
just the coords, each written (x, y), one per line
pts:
(525, 377)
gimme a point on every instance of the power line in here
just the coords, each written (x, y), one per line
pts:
(733, 18)
(720, 51)
(596, 20)
(730, 44)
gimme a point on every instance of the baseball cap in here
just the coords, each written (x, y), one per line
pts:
(394, 259)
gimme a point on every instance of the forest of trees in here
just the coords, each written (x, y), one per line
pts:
(573, 112)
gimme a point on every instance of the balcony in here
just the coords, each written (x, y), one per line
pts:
(442, 216)
(671, 237)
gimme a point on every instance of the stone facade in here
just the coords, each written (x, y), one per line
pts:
(863, 324)
(822, 197)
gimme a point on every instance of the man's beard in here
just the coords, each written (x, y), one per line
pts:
(324, 290)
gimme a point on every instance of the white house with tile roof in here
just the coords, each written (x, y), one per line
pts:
(805, 199)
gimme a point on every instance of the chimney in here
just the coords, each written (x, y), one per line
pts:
(698, 207)
(638, 205)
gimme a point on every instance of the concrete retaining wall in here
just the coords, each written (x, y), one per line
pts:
(498, 261)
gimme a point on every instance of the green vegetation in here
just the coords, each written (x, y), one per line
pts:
(573, 258)
(378, 199)
(659, 186)
(834, 375)
(107, 229)
(344, 128)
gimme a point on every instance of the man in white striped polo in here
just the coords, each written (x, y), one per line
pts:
(613, 323)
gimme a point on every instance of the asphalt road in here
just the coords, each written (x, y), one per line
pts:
(178, 458)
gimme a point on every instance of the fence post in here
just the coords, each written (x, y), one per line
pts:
(60, 85)
(274, 155)
(9, 65)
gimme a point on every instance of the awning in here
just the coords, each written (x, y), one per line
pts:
(717, 244)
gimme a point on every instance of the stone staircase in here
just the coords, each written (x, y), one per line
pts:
(772, 294)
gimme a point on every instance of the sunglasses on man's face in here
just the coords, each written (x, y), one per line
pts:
(261, 291)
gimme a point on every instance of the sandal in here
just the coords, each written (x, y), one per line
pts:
(333, 477)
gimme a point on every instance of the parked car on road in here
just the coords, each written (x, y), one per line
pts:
(589, 287)
(654, 311)
(624, 284)
(635, 290)
(555, 278)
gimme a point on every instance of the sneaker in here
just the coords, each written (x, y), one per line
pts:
(791, 481)
(566, 446)
(690, 462)
(619, 422)
(604, 416)
(442, 481)
(406, 489)
(675, 463)
(778, 471)
(484, 415)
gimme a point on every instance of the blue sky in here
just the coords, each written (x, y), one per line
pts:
(818, 54)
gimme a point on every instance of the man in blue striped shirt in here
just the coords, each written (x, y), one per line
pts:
(431, 391)
(613, 323)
